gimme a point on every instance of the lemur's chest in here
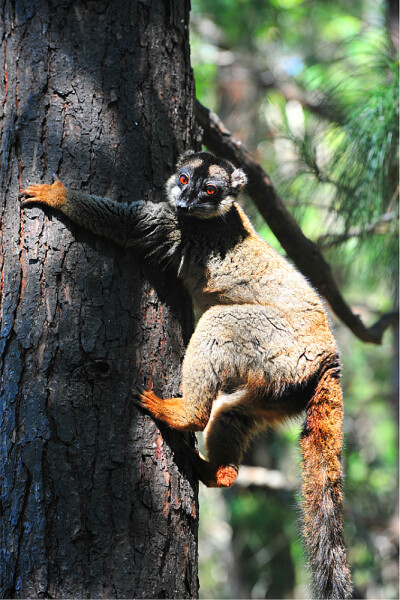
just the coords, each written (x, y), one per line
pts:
(194, 272)
(249, 272)
(216, 277)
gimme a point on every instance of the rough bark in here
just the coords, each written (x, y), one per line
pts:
(96, 499)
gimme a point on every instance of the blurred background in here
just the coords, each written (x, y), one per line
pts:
(311, 89)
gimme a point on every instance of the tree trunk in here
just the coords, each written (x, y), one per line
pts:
(97, 500)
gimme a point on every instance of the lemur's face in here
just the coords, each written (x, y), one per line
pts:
(204, 186)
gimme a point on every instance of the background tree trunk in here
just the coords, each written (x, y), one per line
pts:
(96, 499)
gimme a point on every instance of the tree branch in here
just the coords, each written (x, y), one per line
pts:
(261, 477)
(304, 253)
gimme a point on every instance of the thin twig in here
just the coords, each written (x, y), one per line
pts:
(329, 240)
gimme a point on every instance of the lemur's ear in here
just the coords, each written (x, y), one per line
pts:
(183, 157)
(238, 180)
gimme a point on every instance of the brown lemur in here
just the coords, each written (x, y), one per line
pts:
(262, 351)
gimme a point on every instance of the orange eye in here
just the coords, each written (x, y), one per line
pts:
(211, 190)
(183, 179)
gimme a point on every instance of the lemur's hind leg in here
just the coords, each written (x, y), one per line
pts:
(228, 433)
(192, 411)
(225, 377)
(223, 441)
(213, 364)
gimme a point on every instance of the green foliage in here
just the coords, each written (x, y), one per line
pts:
(365, 162)
(361, 153)
(370, 462)
(250, 23)
(266, 537)
(348, 166)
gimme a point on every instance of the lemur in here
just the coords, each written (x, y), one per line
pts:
(262, 351)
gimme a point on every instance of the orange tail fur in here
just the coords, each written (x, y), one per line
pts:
(321, 444)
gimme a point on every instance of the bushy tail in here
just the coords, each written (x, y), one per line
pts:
(321, 444)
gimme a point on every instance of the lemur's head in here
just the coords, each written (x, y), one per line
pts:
(204, 186)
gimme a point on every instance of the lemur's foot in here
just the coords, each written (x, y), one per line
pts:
(53, 195)
(168, 411)
(212, 475)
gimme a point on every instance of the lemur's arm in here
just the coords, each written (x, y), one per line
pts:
(150, 227)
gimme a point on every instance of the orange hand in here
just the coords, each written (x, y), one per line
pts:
(175, 412)
(53, 195)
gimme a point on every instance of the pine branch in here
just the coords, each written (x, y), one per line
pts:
(265, 478)
(304, 253)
